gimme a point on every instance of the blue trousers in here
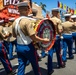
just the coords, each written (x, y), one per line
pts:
(11, 46)
(74, 37)
(43, 53)
(25, 53)
(67, 42)
(57, 48)
(6, 44)
(4, 59)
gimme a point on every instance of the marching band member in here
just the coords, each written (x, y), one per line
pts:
(67, 37)
(25, 34)
(9, 39)
(12, 40)
(73, 17)
(56, 20)
(42, 53)
(3, 53)
(6, 43)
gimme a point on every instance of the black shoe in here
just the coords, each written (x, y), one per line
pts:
(74, 52)
(0, 63)
(71, 57)
(43, 56)
(64, 60)
(11, 58)
(62, 66)
(50, 73)
(27, 64)
(12, 73)
(39, 58)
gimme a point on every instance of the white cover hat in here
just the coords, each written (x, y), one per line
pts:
(34, 10)
(11, 19)
(55, 9)
(25, 3)
(67, 15)
(1, 21)
(73, 16)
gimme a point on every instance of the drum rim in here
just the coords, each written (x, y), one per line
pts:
(53, 40)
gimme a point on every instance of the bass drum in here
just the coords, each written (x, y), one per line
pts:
(45, 29)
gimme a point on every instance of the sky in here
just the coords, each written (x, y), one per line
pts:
(53, 3)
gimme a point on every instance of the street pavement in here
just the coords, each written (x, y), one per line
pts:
(70, 68)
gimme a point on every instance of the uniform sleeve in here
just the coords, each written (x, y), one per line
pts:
(1, 29)
(1, 32)
(30, 29)
(60, 26)
(73, 23)
(13, 29)
(58, 21)
(65, 25)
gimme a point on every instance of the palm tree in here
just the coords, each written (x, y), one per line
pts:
(43, 6)
(35, 2)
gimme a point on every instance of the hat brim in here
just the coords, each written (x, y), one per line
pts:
(11, 19)
(1, 21)
(23, 4)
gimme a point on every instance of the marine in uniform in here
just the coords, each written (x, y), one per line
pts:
(3, 53)
(73, 17)
(25, 34)
(57, 47)
(6, 43)
(42, 53)
(12, 40)
(67, 37)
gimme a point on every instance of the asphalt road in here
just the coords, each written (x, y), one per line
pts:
(70, 68)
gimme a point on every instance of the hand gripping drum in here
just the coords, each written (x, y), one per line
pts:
(46, 29)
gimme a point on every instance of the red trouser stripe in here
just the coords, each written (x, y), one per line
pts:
(5, 56)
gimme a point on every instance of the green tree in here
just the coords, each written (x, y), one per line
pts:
(43, 6)
(35, 2)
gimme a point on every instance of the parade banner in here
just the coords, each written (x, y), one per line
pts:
(46, 29)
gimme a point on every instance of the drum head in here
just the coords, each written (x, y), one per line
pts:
(46, 29)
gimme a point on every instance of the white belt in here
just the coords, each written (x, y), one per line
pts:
(73, 32)
(57, 35)
(67, 34)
